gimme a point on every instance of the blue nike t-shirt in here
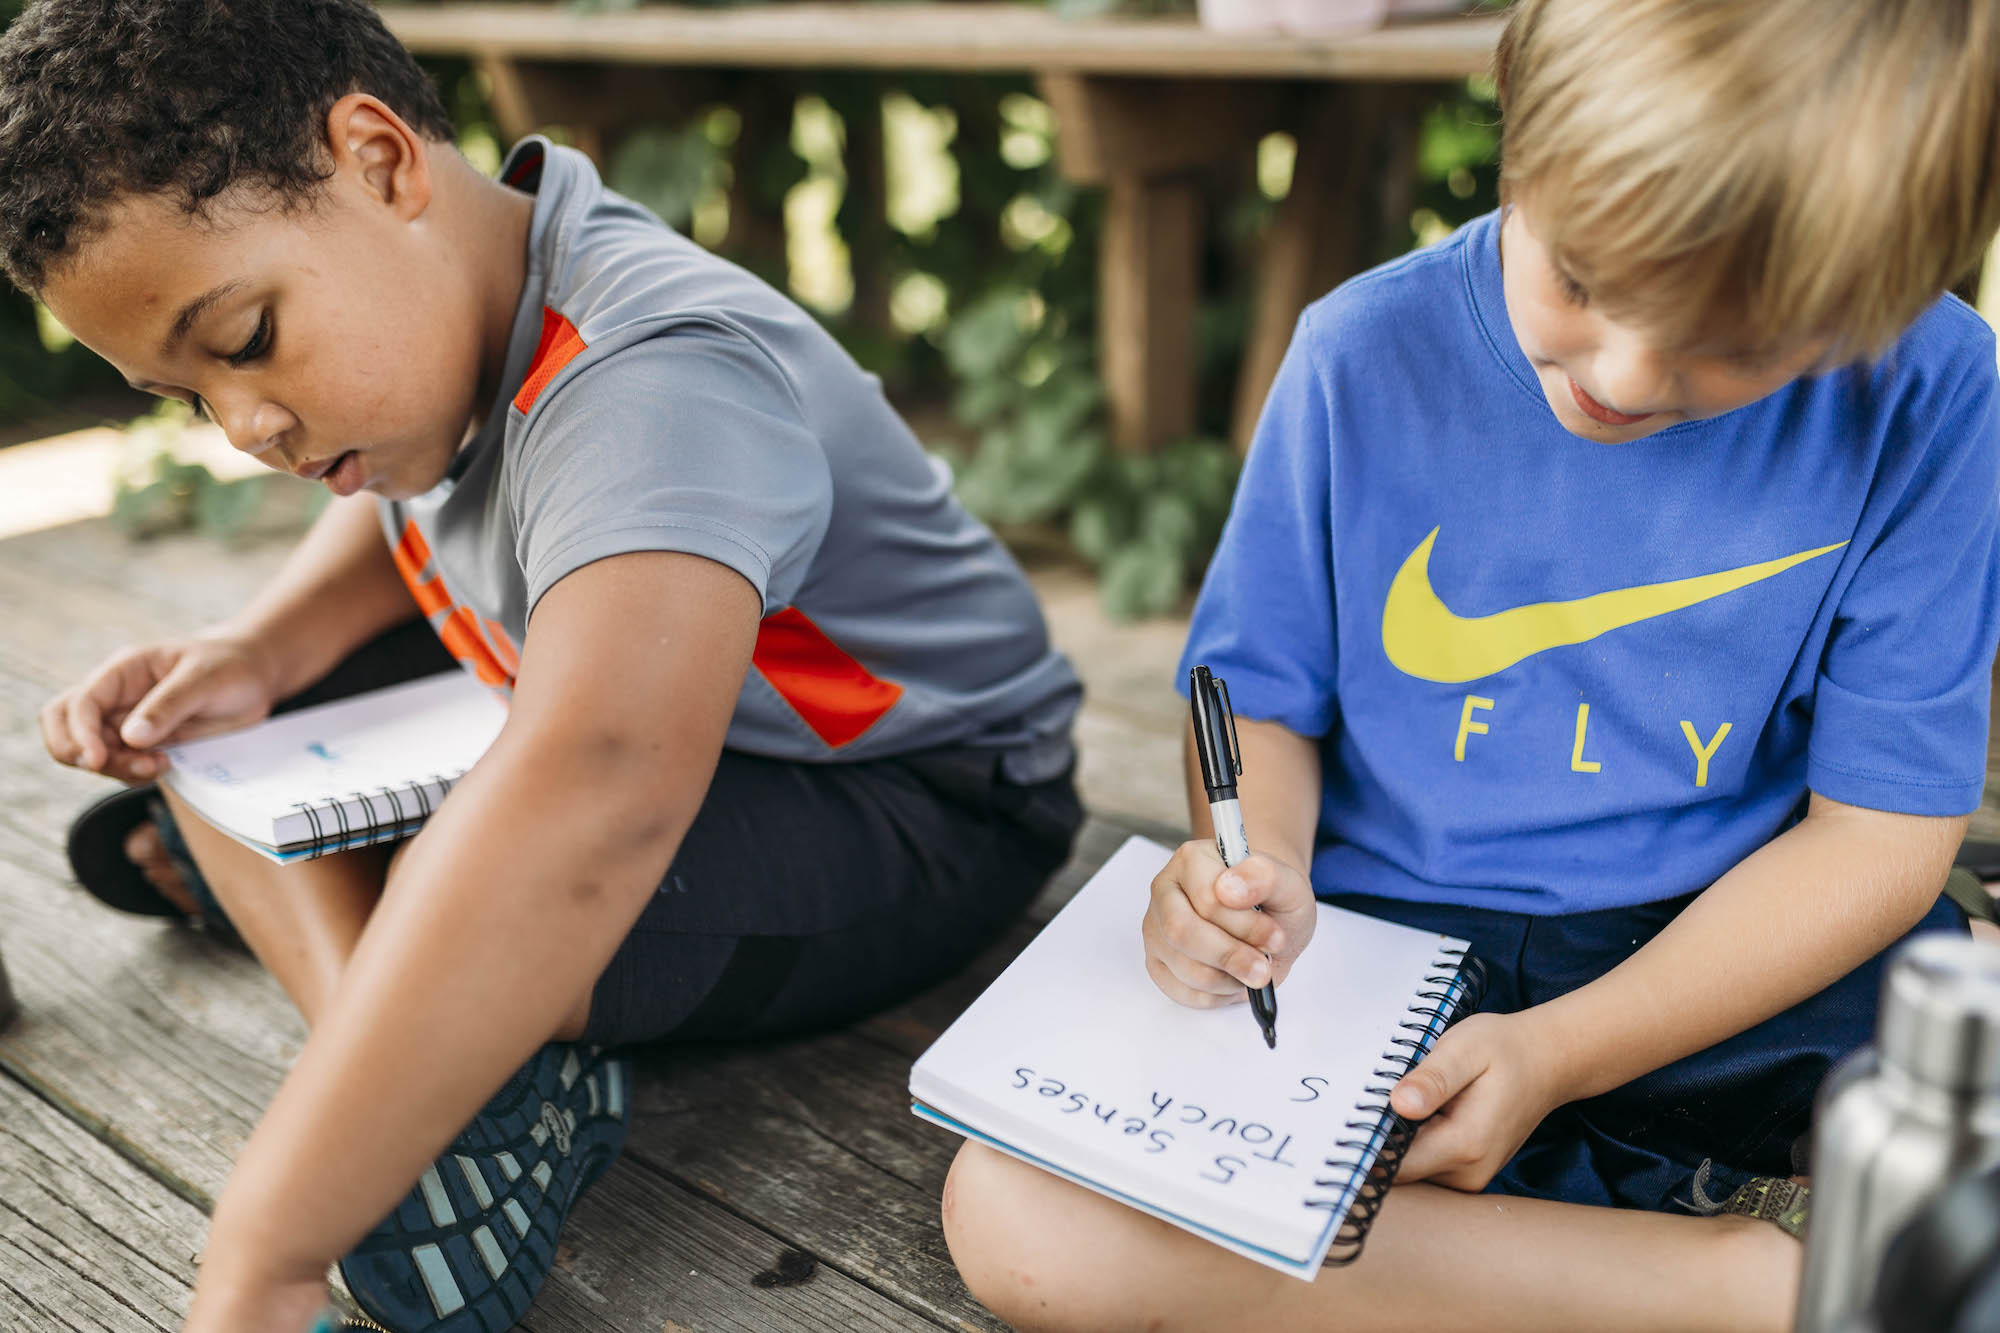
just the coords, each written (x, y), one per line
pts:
(1547, 675)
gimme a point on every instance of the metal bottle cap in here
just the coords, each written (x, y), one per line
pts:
(1941, 1013)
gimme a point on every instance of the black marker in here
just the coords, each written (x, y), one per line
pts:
(1221, 760)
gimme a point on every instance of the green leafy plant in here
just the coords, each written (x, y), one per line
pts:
(158, 492)
(1145, 522)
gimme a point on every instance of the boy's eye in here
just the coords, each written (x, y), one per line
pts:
(1572, 290)
(260, 341)
(200, 406)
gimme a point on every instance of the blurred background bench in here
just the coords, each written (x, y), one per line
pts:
(1145, 106)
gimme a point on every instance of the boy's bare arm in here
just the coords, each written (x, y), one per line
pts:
(504, 911)
(1789, 920)
(337, 589)
(1279, 791)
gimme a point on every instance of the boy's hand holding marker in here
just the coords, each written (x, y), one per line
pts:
(1219, 755)
(1205, 938)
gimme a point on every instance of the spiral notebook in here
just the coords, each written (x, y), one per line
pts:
(1073, 1060)
(366, 769)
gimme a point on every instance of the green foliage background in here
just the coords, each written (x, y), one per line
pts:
(1015, 348)
(40, 368)
(991, 344)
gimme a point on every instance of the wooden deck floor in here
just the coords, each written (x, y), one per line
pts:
(766, 1189)
(778, 1187)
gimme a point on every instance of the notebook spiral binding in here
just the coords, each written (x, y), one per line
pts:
(333, 832)
(1367, 1165)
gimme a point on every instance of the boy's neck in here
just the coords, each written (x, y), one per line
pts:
(489, 224)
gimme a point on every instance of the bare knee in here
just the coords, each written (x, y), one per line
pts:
(999, 1222)
(1764, 1264)
(981, 1233)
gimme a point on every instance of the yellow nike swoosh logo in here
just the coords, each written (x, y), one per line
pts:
(1426, 639)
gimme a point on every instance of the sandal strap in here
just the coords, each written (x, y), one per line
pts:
(1971, 894)
(1783, 1202)
(214, 919)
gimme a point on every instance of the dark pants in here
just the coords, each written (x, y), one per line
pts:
(804, 895)
(1736, 1108)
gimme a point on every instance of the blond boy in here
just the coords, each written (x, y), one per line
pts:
(1612, 585)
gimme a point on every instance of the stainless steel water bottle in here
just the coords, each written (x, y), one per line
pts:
(1900, 1120)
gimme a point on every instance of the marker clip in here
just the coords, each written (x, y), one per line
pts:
(1216, 745)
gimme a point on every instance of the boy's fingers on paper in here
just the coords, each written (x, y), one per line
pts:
(93, 707)
(57, 738)
(163, 707)
(133, 766)
(94, 741)
(196, 696)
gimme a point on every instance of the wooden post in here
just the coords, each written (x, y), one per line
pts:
(1146, 284)
(1316, 234)
(864, 216)
(756, 236)
(1147, 140)
(598, 104)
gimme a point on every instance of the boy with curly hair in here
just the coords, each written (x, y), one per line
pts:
(786, 738)
(1612, 585)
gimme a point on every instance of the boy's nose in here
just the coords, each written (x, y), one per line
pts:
(1634, 378)
(254, 427)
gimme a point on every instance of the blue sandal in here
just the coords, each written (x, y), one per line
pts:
(96, 846)
(470, 1246)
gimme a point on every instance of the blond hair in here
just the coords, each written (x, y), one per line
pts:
(1756, 175)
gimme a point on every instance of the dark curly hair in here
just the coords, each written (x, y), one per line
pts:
(104, 98)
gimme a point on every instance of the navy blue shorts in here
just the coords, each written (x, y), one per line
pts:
(1738, 1106)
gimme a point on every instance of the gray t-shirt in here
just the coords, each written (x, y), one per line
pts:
(665, 400)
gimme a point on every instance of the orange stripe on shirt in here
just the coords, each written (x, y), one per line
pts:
(413, 556)
(460, 633)
(559, 345)
(837, 696)
(483, 647)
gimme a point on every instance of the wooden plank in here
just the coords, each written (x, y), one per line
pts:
(985, 37)
(598, 104)
(813, 1138)
(166, 1047)
(740, 1157)
(1110, 127)
(643, 1253)
(1147, 271)
(1317, 238)
(88, 1243)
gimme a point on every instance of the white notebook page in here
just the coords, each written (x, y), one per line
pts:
(400, 738)
(1074, 1059)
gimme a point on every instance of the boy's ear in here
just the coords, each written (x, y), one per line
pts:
(390, 160)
